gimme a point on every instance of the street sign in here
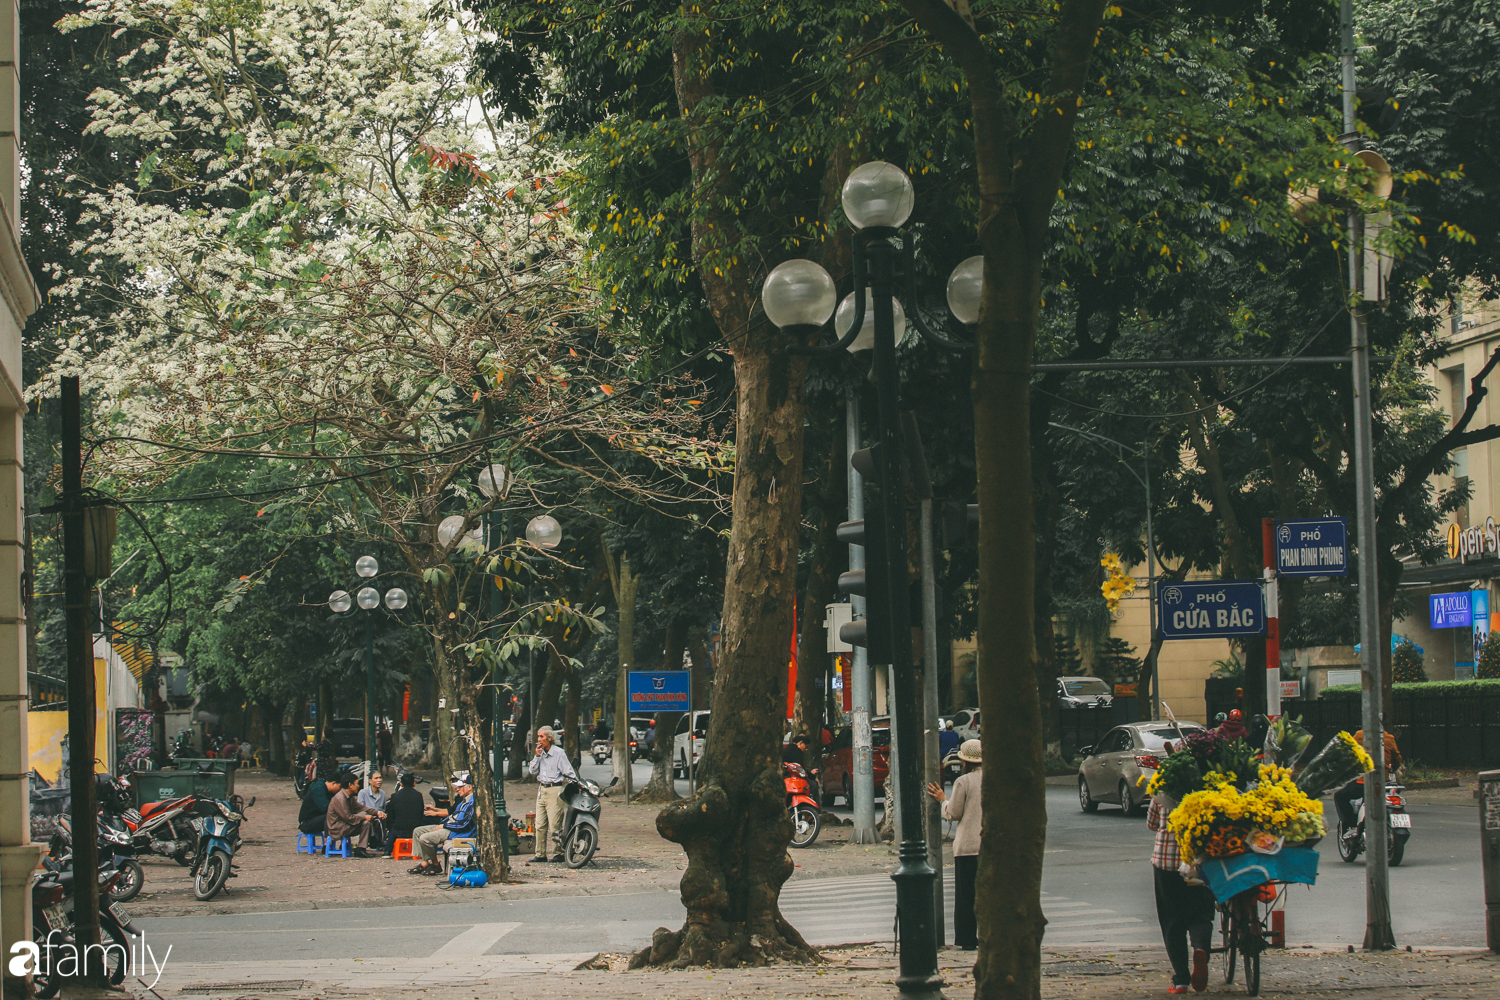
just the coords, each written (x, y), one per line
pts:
(1450, 610)
(1211, 609)
(1291, 690)
(1318, 547)
(659, 690)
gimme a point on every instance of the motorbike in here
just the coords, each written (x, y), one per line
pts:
(53, 892)
(603, 750)
(115, 851)
(1352, 842)
(580, 832)
(953, 768)
(302, 773)
(806, 819)
(162, 828)
(218, 824)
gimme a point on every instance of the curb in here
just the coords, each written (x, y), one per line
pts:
(1417, 786)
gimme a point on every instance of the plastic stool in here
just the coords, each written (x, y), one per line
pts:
(402, 851)
(336, 846)
(309, 843)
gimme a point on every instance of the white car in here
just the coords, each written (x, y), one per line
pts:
(680, 741)
(965, 723)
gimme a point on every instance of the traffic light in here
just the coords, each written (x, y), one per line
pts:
(873, 631)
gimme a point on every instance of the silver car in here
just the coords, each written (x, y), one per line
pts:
(1112, 768)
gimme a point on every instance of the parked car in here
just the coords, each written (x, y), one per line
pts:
(838, 760)
(1084, 692)
(965, 723)
(680, 742)
(348, 737)
(1112, 768)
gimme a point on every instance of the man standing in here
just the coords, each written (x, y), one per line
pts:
(348, 818)
(1185, 912)
(552, 771)
(459, 823)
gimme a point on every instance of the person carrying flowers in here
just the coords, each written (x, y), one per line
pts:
(1343, 799)
(1184, 910)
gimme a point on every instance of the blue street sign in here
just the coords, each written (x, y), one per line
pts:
(1450, 610)
(1210, 609)
(659, 690)
(1318, 547)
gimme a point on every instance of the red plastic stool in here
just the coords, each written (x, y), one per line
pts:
(402, 851)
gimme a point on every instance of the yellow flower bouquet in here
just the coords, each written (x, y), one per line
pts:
(1222, 821)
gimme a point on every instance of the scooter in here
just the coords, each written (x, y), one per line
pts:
(1352, 842)
(52, 897)
(953, 767)
(580, 832)
(163, 828)
(218, 824)
(806, 819)
(603, 750)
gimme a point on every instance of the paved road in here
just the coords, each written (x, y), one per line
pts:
(1097, 885)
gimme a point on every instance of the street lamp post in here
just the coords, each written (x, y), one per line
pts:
(878, 199)
(368, 599)
(493, 483)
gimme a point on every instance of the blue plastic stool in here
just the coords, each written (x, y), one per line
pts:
(336, 846)
(309, 843)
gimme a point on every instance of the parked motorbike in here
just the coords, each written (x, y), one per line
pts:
(806, 819)
(218, 824)
(52, 896)
(115, 851)
(1352, 843)
(603, 750)
(302, 772)
(580, 836)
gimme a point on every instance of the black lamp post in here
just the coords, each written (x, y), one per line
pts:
(368, 598)
(878, 199)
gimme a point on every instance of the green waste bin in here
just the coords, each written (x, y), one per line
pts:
(160, 786)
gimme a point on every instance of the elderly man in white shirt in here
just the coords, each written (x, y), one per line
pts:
(552, 770)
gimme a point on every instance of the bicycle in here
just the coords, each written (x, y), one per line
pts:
(1245, 928)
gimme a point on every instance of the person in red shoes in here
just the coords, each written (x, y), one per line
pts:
(1184, 910)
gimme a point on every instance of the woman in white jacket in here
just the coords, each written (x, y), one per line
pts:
(964, 808)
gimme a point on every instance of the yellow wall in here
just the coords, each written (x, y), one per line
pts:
(45, 730)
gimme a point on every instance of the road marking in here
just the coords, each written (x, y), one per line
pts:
(473, 942)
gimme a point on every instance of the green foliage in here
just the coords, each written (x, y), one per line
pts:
(1487, 666)
(1231, 668)
(1321, 620)
(1406, 663)
(1065, 659)
(1489, 687)
(1116, 662)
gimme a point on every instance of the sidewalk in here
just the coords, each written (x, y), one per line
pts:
(848, 974)
(271, 876)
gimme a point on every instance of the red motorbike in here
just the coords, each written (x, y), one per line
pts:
(806, 818)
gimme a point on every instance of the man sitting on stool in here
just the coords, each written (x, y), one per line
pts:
(460, 824)
(552, 770)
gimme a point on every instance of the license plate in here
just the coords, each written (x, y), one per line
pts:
(118, 912)
(1400, 821)
(57, 917)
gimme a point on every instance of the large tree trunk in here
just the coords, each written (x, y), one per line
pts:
(661, 787)
(470, 722)
(447, 752)
(552, 686)
(735, 829)
(1018, 177)
(570, 717)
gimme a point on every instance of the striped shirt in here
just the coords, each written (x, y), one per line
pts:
(1164, 852)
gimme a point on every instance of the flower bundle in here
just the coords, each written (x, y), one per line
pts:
(1286, 742)
(1337, 764)
(1220, 820)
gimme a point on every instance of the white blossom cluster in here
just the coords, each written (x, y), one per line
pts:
(320, 248)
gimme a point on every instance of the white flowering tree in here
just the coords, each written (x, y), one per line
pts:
(331, 263)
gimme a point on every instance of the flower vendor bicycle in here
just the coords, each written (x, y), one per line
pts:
(1245, 928)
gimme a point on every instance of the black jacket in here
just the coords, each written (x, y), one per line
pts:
(404, 810)
(314, 803)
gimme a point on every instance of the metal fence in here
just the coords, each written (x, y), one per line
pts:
(1445, 730)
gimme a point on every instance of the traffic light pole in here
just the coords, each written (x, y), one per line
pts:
(914, 877)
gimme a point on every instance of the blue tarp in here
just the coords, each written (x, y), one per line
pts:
(1396, 640)
(1228, 877)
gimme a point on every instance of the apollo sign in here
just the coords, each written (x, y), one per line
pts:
(1473, 542)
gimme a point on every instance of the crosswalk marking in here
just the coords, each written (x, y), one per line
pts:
(473, 942)
(859, 908)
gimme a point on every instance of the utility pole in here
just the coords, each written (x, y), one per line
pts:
(81, 693)
(1378, 933)
(863, 751)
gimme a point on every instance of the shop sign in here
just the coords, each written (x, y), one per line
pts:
(1473, 542)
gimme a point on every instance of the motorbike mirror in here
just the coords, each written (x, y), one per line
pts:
(251, 802)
